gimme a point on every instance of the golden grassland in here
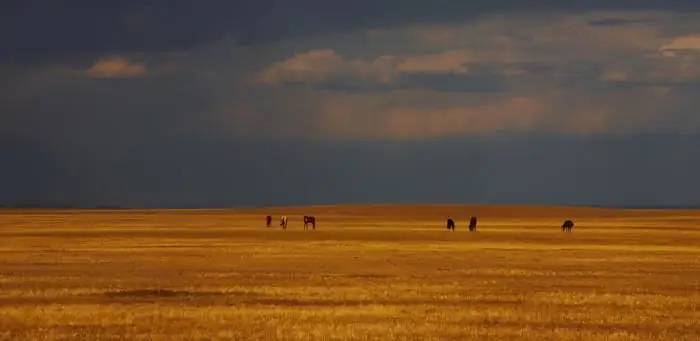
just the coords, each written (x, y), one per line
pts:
(368, 272)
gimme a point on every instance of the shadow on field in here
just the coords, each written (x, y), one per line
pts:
(155, 293)
(293, 302)
(249, 298)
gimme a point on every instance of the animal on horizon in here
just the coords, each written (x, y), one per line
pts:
(309, 220)
(450, 224)
(268, 220)
(567, 225)
(472, 223)
(283, 222)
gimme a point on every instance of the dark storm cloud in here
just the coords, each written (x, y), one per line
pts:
(618, 21)
(32, 31)
(50, 30)
(675, 84)
(74, 112)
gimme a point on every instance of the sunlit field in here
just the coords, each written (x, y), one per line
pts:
(366, 272)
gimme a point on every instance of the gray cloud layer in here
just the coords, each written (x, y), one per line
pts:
(167, 103)
(34, 30)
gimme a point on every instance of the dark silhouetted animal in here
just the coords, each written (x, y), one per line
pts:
(309, 220)
(268, 220)
(283, 222)
(450, 224)
(567, 225)
(472, 223)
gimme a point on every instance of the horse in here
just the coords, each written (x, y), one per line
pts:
(472, 224)
(268, 220)
(283, 222)
(450, 224)
(567, 225)
(309, 220)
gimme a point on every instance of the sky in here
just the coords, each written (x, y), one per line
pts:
(177, 103)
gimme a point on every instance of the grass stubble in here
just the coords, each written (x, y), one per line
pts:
(367, 273)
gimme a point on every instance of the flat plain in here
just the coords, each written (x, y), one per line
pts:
(383, 272)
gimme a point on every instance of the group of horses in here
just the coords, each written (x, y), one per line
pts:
(308, 220)
(311, 220)
(472, 224)
(565, 227)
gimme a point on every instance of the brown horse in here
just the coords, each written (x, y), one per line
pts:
(450, 224)
(472, 224)
(567, 225)
(309, 220)
(268, 220)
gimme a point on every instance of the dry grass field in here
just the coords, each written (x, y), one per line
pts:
(372, 272)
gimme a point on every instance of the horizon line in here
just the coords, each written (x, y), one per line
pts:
(39, 206)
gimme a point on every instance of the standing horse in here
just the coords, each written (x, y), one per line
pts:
(567, 225)
(450, 224)
(268, 220)
(308, 219)
(283, 222)
(472, 224)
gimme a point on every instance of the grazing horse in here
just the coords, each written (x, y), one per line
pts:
(450, 224)
(283, 222)
(268, 220)
(308, 219)
(567, 225)
(472, 224)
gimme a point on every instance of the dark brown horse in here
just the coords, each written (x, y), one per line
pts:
(450, 224)
(567, 225)
(268, 220)
(308, 219)
(472, 224)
